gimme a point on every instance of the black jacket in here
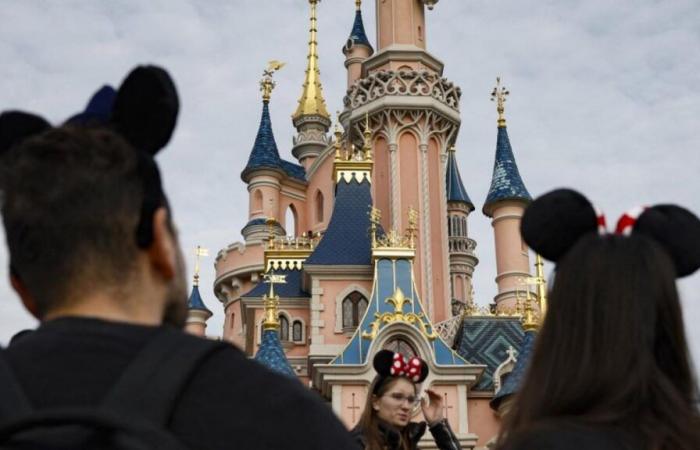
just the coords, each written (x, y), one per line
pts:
(441, 431)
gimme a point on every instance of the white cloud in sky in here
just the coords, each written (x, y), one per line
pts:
(605, 98)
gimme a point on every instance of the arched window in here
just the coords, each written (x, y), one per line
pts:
(284, 328)
(400, 345)
(354, 307)
(296, 331)
(319, 207)
(290, 221)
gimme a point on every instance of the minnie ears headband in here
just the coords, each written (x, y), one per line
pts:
(555, 221)
(144, 111)
(388, 363)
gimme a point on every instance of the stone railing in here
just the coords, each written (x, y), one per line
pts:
(459, 244)
(416, 83)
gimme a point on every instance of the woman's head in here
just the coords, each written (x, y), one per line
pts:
(392, 400)
(612, 348)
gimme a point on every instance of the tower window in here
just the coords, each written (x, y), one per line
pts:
(284, 328)
(296, 331)
(354, 307)
(319, 207)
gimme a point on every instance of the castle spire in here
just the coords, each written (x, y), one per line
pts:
(197, 311)
(499, 95)
(271, 352)
(311, 102)
(358, 36)
(453, 180)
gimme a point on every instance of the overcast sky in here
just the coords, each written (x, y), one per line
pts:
(605, 98)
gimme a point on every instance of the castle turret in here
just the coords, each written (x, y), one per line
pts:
(265, 168)
(197, 311)
(311, 119)
(357, 48)
(463, 260)
(505, 204)
(271, 352)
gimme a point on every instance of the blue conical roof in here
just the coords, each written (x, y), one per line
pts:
(346, 241)
(506, 183)
(357, 34)
(195, 301)
(515, 378)
(453, 181)
(271, 354)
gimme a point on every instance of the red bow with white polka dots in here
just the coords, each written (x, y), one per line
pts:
(401, 367)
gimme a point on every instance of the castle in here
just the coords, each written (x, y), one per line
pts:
(362, 242)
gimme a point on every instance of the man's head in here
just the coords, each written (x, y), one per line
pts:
(72, 207)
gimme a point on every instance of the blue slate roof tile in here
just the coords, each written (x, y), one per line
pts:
(515, 378)
(506, 183)
(291, 289)
(271, 354)
(453, 181)
(265, 155)
(357, 34)
(485, 340)
(195, 301)
(346, 241)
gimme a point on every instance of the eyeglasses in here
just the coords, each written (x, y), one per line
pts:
(400, 398)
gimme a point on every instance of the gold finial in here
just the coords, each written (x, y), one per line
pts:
(541, 285)
(199, 251)
(375, 216)
(412, 229)
(452, 148)
(267, 84)
(499, 95)
(338, 132)
(358, 4)
(367, 147)
(311, 101)
(271, 301)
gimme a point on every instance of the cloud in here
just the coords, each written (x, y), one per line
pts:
(605, 98)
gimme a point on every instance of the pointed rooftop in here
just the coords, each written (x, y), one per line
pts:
(455, 188)
(514, 379)
(264, 154)
(347, 241)
(271, 353)
(311, 102)
(195, 301)
(357, 34)
(506, 183)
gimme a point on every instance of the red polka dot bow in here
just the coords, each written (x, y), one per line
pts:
(410, 368)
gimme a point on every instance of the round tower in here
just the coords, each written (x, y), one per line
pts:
(505, 205)
(311, 119)
(357, 48)
(197, 311)
(463, 259)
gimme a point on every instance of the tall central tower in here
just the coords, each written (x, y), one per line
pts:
(414, 115)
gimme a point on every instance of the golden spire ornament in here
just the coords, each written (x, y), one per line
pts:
(311, 101)
(198, 252)
(267, 84)
(271, 301)
(358, 4)
(499, 95)
(367, 144)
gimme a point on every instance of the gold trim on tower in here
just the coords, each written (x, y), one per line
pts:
(288, 252)
(353, 162)
(398, 299)
(499, 95)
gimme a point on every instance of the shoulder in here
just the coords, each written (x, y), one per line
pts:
(232, 395)
(566, 436)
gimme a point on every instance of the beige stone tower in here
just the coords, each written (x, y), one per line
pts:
(505, 204)
(414, 115)
(311, 119)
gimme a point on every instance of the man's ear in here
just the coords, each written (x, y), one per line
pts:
(27, 299)
(162, 252)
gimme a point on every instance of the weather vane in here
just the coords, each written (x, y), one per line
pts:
(499, 95)
(267, 84)
(198, 252)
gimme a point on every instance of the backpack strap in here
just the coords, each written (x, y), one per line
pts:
(152, 383)
(14, 401)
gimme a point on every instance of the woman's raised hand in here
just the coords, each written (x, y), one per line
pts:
(433, 407)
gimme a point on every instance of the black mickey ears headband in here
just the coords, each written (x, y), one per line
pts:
(144, 111)
(388, 363)
(555, 221)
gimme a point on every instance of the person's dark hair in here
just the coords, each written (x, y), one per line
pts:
(612, 349)
(72, 198)
(369, 421)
